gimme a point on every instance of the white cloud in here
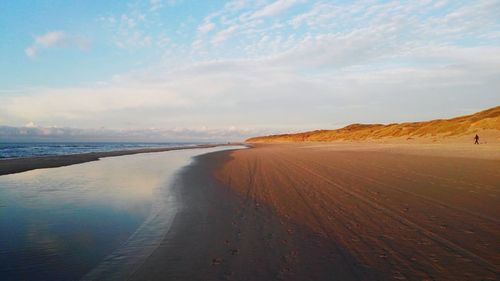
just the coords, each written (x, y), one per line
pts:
(155, 4)
(129, 30)
(236, 5)
(51, 39)
(128, 21)
(223, 35)
(31, 51)
(275, 8)
(206, 27)
(30, 125)
(56, 39)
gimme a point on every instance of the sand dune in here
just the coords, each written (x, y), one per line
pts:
(459, 129)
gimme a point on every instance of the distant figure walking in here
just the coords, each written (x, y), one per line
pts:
(476, 139)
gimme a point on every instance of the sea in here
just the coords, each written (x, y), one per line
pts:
(23, 150)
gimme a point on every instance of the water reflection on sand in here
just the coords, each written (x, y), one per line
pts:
(58, 224)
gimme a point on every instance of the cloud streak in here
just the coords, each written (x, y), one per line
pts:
(27, 133)
(274, 8)
(54, 39)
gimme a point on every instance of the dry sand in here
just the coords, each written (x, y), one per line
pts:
(398, 215)
(330, 212)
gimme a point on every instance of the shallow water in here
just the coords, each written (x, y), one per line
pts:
(62, 223)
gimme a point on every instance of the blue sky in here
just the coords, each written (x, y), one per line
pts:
(100, 55)
(178, 69)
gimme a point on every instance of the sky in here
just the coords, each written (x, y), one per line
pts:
(162, 70)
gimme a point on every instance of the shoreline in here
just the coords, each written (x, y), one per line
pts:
(219, 234)
(127, 258)
(18, 165)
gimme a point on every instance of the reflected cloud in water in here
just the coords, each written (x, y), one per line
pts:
(60, 223)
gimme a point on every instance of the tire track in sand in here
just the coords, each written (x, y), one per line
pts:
(394, 215)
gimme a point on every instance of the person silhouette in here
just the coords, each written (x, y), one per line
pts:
(476, 139)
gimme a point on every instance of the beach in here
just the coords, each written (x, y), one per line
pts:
(242, 140)
(335, 212)
(324, 211)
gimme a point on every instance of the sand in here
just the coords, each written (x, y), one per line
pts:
(335, 212)
(219, 234)
(398, 215)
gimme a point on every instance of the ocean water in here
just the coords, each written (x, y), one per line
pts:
(18, 150)
(92, 221)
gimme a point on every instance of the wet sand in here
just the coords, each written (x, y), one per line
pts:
(324, 212)
(220, 235)
(18, 165)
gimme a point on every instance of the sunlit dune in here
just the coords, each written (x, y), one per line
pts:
(485, 123)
